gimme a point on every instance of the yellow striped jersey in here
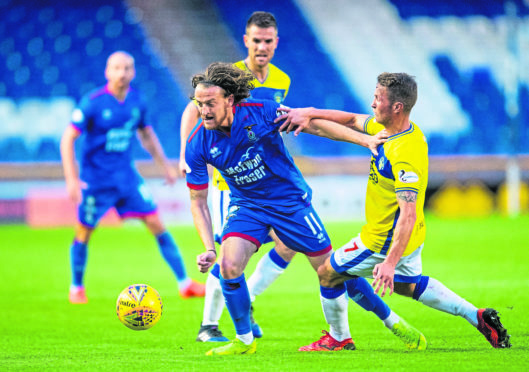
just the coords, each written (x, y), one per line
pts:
(401, 164)
(275, 88)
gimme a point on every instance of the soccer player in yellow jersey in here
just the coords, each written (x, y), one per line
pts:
(272, 84)
(389, 245)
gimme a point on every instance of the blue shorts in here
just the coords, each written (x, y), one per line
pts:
(301, 230)
(135, 202)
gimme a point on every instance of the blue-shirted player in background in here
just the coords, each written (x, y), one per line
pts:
(242, 141)
(107, 120)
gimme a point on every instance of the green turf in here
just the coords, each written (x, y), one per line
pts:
(484, 260)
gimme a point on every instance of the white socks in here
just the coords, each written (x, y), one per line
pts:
(437, 296)
(335, 312)
(246, 339)
(390, 321)
(213, 301)
(266, 272)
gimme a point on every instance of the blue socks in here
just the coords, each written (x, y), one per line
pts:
(78, 254)
(277, 259)
(363, 294)
(420, 287)
(237, 300)
(215, 271)
(171, 255)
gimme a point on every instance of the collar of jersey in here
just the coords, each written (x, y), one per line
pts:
(407, 131)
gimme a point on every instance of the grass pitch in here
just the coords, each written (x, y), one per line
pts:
(484, 260)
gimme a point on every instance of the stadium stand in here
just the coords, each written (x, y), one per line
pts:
(54, 53)
(463, 54)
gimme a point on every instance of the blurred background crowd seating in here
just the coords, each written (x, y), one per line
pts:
(470, 58)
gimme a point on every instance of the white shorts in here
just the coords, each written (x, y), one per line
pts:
(354, 258)
(220, 200)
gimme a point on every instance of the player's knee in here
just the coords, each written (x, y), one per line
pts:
(326, 277)
(230, 269)
(154, 224)
(404, 289)
(83, 233)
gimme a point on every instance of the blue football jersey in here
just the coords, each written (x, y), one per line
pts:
(108, 128)
(252, 158)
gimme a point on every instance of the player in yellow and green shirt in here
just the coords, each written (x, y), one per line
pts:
(389, 245)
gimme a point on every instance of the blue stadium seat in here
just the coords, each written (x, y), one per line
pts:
(50, 49)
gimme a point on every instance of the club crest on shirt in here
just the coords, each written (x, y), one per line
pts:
(107, 114)
(251, 135)
(408, 177)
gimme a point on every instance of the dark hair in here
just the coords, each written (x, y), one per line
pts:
(261, 20)
(401, 87)
(228, 77)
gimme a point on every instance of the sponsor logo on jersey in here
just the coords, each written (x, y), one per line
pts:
(408, 177)
(214, 152)
(381, 163)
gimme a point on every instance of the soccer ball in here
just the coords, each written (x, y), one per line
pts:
(139, 307)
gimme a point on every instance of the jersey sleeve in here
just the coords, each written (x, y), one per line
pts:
(371, 127)
(196, 167)
(81, 114)
(407, 170)
(272, 110)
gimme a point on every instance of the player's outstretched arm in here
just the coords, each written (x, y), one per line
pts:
(188, 121)
(383, 273)
(149, 140)
(202, 220)
(299, 119)
(73, 185)
(337, 132)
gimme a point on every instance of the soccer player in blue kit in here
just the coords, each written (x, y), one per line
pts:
(240, 138)
(271, 83)
(107, 119)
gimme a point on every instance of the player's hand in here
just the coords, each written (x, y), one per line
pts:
(294, 120)
(206, 260)
(378, 139)
(383, 274)
(73, 187)
(182, 167)
(171, 175)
